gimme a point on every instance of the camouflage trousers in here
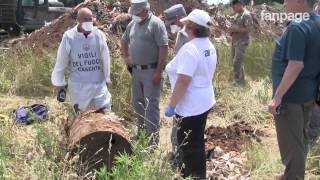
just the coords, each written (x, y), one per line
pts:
(238, 51)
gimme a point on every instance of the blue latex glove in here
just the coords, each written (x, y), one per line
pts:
(169, 111)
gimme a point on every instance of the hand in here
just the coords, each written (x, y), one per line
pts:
(169, 111)
(156, 79)
(274, 105)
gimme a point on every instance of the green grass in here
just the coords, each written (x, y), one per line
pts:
(313, 162)
(141, 165)
(25, 73)
(39, 151)
(263, 161)
(244, 103)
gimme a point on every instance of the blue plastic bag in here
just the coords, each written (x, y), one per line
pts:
(28, 114)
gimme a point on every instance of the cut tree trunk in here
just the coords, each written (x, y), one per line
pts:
(97, 138)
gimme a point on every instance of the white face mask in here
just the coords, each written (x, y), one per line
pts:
(174, 29)
(87, 26)
(136, 19)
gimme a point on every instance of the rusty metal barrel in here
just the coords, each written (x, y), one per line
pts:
(98, 138)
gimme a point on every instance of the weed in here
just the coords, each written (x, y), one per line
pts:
(313, 162)
(26, 74)
(262, 161)
(143, 164)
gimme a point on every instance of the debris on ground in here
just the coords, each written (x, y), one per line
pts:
(112, 18)
(229, 166)
(225, 146)
(107, 16)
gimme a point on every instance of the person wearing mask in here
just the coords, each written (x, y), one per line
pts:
(145, 49)
(172, 18)
(295, 73)
(84, 51)
(240, 32)
(191, 74)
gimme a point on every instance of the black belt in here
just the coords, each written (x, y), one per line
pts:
(148, 66)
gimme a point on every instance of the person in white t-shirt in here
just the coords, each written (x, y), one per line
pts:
(191, 74)
(84, 51)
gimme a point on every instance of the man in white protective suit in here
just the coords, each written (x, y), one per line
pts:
(84, 51)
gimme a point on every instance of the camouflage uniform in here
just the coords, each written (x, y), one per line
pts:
(240, 42)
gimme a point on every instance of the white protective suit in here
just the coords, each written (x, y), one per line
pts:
(88, 61)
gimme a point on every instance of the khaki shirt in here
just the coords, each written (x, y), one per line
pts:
(243, 20)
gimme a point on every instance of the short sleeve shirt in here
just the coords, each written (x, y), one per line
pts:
(196, 59)
(243, 20)
(300, 42)
(145, 39)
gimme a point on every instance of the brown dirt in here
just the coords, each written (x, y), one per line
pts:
(225, 144)
(231, 138)
(49, 37)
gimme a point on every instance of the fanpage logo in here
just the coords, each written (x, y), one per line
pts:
(283, 17)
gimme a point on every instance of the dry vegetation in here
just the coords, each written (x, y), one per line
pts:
(38, 151)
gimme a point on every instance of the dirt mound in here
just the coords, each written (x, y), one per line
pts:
(48, 37)
(231, 138)
(113, 19)
(224, 145)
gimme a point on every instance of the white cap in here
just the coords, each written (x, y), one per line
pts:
(199, 17)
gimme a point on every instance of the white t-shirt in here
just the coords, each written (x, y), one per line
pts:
(196, 59)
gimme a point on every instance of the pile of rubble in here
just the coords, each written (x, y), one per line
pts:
(228, 166)
(264, 26)
(113, 19)
(225, 145)
(109, 18)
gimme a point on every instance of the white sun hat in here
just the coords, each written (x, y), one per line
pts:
(199, 17)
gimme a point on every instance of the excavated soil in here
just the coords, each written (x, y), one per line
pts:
(231, 138)
(226, 159)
